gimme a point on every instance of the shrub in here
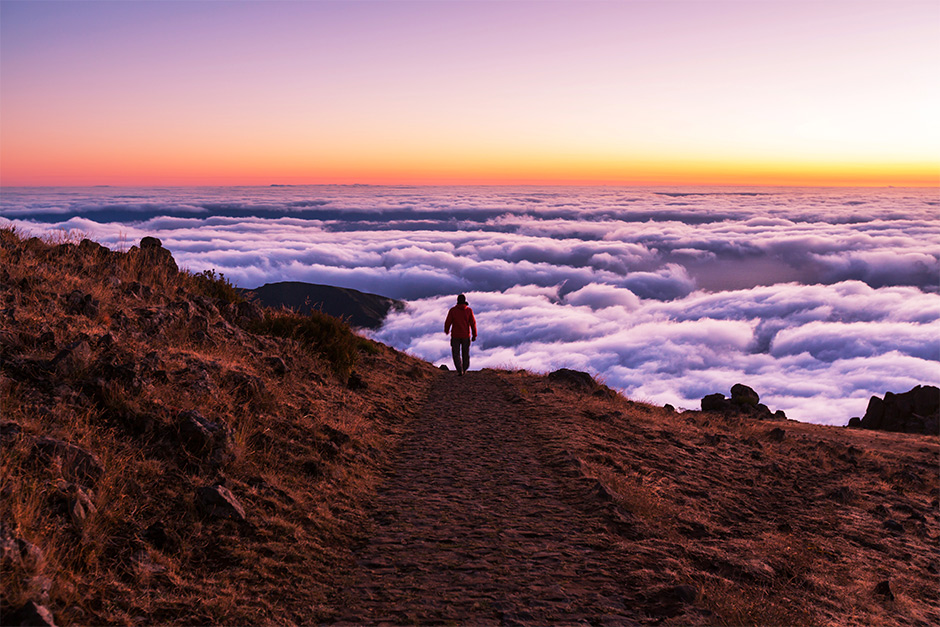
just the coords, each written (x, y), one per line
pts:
(329, 336)
(213, 285)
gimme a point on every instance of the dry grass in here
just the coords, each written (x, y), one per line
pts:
(770, 531)
(176, 342)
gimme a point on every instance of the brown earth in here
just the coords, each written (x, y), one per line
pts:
(515, 501)
(376, 488)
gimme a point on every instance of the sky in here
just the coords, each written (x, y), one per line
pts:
(764, 92)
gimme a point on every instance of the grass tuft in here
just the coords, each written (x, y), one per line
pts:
(330, 337)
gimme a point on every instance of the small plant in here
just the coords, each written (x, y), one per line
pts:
(329, 336)
(215, 285)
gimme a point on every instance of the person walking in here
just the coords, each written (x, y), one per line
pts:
(462, 327)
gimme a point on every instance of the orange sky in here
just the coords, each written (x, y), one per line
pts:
(182, 93)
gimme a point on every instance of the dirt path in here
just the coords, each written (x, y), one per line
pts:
(474, 524)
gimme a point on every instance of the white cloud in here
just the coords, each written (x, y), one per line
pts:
(816, 298)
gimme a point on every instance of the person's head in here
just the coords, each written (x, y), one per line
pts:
(461, 300)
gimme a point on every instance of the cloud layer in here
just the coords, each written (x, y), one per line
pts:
(816, 298)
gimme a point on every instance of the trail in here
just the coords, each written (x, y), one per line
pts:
(475, 525)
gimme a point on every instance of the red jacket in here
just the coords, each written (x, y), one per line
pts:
(460, 317)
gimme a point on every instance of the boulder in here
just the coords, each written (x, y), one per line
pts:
(743, 395)
(204, 438)
(715, 402)
(154, 254)
(914, 411)
(93, 249)
(574, 378)
(219, 502)
(744, 402)
(776, 434)
(883, 589)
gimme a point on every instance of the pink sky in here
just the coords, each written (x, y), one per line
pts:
(436, 92)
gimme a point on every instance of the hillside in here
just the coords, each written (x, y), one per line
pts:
(173, 454)
(359, 309)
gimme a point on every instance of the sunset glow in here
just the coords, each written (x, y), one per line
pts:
(218, 93)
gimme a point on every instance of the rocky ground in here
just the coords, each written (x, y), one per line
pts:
(172, 455)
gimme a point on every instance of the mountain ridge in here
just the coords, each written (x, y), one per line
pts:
(360, 309)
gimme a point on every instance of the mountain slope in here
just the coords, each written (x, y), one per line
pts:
(134, 397)
(172, 454)
(359, 309)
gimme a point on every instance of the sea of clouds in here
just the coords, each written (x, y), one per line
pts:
(816, 298)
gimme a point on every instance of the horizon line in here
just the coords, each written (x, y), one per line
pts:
(431, 185)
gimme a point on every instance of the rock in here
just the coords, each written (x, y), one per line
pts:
(276, 364)
(574, 378)
(33, 615)
(776, 434)
(9, 431)
(204, 438)
(843, 494)
(355, 382)
(150, 243)
(893, 525)
(78, 464)
(757, 570)
(669, 408)
(17, 551)
(248, 386)
(670, 600)
(219, 502)
(73, 360)
(77, 302)
(884, 589)
(157, 536)
(855, 422)
(444, 367)
(78, 503)
(105, 342)
(140, 290)
(46, 339)
(155, 255)
(715, 402)
(93, 249)
(247, 311)
(743, 402)
(743, 395)
(312, 468)
(914, 411)
(334, 435)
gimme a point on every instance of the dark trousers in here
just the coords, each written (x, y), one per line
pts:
(458, 346)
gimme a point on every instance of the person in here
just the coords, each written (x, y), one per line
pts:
(462, 327)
